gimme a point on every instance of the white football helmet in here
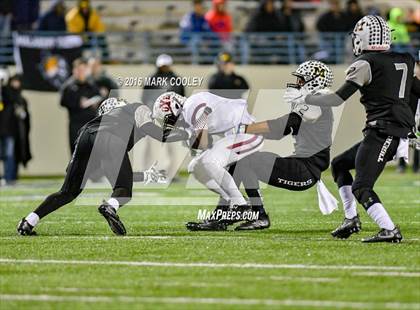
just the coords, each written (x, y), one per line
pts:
(312, 76)
(109, 104)
(167, 107)
(371, 33)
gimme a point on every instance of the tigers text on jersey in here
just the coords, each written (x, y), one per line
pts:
(225, 113)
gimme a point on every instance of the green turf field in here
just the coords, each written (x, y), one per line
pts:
(76, 263)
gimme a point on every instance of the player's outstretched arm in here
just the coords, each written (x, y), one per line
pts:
(358, 75)
(159, 134)
(275, 129)
(333, 99)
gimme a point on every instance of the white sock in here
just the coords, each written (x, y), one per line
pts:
(114, 203)
(378, 213)
(349, 201)
(32, 219)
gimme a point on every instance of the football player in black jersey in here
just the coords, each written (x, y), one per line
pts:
(104, 143)
(312, 129)
(385, 80)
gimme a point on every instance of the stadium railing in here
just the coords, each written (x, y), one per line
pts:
(202, 48)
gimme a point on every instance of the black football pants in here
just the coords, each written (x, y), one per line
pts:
(290, 173)
(109, 148)
(368, 158)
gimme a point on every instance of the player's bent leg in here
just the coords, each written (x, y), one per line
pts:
(121, 195)
(225, 152)
(72, 186)
(244, 173)
(340, 168)
(376, 149)
(389, 232)
(50, 204)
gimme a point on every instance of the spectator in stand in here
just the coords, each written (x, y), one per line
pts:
(5, 17)
(194, 22)
(353, 14)
(219, 19)
(54, 18)
(84, 18)
(333, 20)
(151, 92)
(103, 81)
(80, 97)
(14, 129)
(24, 14)
(225, 82)
(290, 20)
(165, 72)
(413, 23)
(400, 36)
(265, 19)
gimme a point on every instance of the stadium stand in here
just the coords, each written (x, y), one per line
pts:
(138, 31)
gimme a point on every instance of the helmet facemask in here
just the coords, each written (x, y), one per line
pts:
(357, 44)
(167, 109)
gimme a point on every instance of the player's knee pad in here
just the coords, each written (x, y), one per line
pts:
(365, 196)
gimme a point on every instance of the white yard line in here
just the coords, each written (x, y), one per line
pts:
(388, 274)
(201, 264)
(114, 238)
(192, 236)
(213, 301)
(304, 279)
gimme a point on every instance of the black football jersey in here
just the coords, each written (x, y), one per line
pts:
(124, 122)
(384, 80)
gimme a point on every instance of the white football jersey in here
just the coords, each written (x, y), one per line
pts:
(225, 113)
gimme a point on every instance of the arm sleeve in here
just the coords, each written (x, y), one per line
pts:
(333, 99)
(283, 126)
(327, 100)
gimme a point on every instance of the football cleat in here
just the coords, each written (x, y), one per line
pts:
(240, 210)
(206, 226)
(347, 228)
(112, 218)
(385, 235)
(262, 222)
(25, 229)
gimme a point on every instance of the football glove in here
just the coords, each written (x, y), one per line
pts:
(294, 96)
(152, 175)
(415, 142)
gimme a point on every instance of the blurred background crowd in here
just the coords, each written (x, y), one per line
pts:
(166, 33)
(266, 31)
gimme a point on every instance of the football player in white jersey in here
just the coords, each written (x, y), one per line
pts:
(211, 117)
